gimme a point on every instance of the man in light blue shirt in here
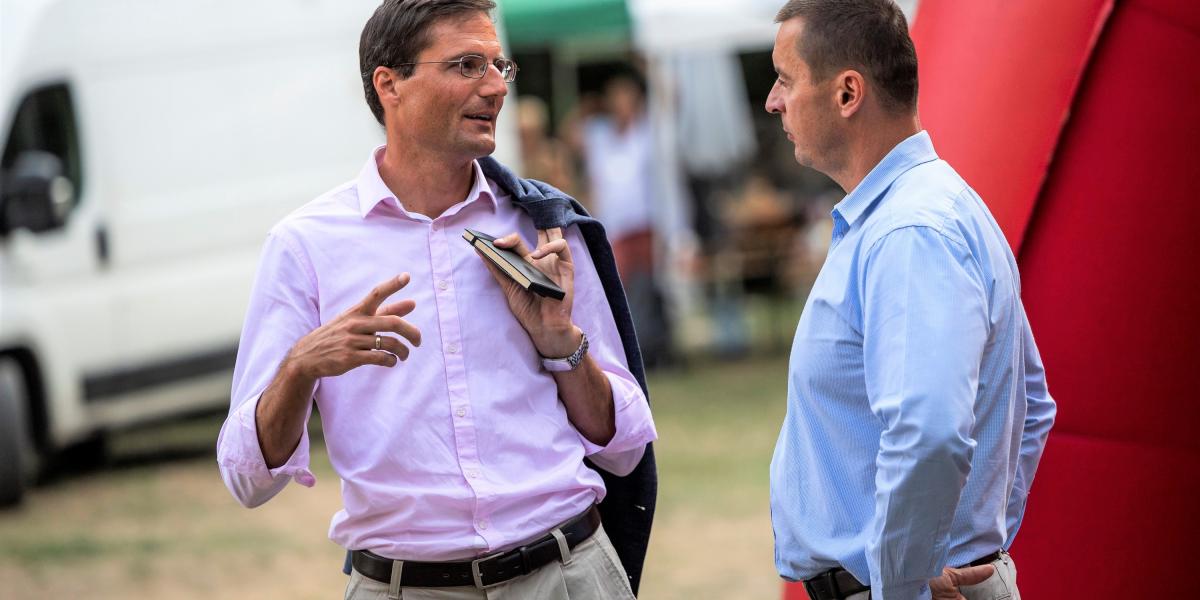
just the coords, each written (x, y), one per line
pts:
(917, 403)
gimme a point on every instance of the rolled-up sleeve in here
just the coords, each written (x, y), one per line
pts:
(592, 313)
(282, 309)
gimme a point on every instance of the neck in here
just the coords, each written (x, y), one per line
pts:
(424, 182)
(624, 122)
(875, 140)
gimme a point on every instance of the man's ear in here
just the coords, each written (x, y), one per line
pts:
(851, 92)
(387, 86)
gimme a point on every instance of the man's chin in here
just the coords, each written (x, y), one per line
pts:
(483, 147)
(802, 159)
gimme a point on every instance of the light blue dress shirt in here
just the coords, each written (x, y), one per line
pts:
(917, 404)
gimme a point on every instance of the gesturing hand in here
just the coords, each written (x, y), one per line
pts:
(946, 586)
(352, 339)
(547, 321)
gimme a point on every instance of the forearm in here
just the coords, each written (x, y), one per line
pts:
(252, 466)
(584, 391)
(587, 396)
(282, 411)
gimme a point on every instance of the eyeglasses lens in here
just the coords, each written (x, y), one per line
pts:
(476, 67)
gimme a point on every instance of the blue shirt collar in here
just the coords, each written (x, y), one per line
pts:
(915, 150)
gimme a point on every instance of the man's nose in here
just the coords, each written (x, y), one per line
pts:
(493, 82)
(774, 106)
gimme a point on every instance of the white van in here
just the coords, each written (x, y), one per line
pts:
(149, 146)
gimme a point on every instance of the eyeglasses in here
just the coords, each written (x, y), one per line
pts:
(473, 66)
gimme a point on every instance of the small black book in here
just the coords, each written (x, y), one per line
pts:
(517, 268)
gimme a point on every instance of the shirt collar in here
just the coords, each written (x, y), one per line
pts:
(915, 150)
(372, 190)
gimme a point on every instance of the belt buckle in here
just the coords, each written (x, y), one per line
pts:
(478, 576)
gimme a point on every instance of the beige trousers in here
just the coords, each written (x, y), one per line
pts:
(1002, 585)
(593, 573)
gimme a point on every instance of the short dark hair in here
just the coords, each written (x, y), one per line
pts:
(398, 32)
(868, 35)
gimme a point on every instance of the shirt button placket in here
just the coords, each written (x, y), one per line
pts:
(456, 372)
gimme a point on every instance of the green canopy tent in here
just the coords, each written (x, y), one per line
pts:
(561, 36)
(541, 23)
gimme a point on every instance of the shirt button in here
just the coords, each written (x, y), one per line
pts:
(473, 474)
(452, 348)
(483, 524)
(462, 412)
(442, 285)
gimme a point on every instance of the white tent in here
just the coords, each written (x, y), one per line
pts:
(680, 25)
(672, 25)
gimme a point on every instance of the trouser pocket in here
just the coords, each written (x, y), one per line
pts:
(1002, 585)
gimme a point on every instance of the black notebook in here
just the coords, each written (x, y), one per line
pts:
(517, 268)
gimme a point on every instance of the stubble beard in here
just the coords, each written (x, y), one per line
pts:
(828, 153)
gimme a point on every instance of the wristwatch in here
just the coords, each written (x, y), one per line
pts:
(569, 363)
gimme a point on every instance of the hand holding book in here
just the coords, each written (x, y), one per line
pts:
(546, 318)
(518, 269)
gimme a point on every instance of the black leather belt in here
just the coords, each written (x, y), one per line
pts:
(986, 560)
(835, 584)
(485, 571)
(839, 584)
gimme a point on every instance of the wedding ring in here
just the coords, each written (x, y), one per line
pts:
(378, 342)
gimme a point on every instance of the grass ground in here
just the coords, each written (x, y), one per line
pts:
(158, 523)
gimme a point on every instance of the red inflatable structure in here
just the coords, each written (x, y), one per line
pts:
(1078, 121)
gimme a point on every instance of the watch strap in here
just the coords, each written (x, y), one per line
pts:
(568, 363)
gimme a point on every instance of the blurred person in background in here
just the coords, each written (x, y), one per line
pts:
(544, 157)
(463, 468)
(917, 403)
(618, 149)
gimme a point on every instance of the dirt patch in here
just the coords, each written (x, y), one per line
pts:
(172, 532)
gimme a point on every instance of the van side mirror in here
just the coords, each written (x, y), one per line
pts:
(34, 193)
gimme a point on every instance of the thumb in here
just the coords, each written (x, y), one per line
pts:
(969, 575)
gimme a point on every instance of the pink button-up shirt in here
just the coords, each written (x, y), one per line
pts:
(464, 448)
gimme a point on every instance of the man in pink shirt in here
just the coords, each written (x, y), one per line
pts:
(457, 408)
